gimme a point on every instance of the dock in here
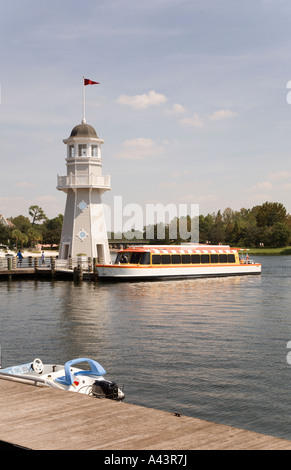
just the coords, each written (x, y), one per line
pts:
(43, 418)
(43, 273)
(32, 268)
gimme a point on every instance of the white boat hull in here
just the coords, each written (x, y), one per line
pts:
(119, 272)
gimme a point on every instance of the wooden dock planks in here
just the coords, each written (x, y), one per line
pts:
(43, 418)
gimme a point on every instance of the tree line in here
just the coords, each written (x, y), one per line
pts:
(25, 232)
(266, 225)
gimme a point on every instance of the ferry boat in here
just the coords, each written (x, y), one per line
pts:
(68, 377)
(156, 262)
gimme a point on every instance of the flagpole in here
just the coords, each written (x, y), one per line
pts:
(84, 118)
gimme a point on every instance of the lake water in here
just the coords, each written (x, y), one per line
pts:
(213, 349)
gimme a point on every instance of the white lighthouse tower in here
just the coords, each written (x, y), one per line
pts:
(84, 230)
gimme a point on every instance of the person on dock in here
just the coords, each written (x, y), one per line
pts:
(20, 257)
(42, 258)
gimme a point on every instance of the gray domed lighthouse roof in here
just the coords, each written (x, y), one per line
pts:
(84, 130)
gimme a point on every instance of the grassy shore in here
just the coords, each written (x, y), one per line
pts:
(285, 250)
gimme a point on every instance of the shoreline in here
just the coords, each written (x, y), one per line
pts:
(285, 250)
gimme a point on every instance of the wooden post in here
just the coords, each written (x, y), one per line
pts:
(53, 266)
(94, 265)
(78, 273)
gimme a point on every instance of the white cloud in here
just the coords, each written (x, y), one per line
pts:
(222, 114)
(175, 109)
(170, 185)
(279, 175)
(263, 185)
(143, 101)
(25, 184)
(46, 198)
(139, 149)
(195, 121)
(179, 174)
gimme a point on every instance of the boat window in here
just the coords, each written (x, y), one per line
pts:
(166, 259)
(145, 258)
(223, 258)
(231, 258)
(124, 258)
(156, 259)
(195, 259)
(214, 258)
(204, 259)
(186, 259)
(117, 259)
(135, 258)
(176, 259)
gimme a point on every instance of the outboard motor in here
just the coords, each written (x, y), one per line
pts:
(105, 389)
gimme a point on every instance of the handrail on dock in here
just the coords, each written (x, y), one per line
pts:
(11, 263)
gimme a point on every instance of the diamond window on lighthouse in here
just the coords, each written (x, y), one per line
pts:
(82, 235)
(82, 205)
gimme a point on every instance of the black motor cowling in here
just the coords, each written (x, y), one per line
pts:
(105, 389)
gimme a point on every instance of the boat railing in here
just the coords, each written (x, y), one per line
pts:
(247, 261)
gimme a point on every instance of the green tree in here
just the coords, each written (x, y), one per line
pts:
(280, 234)
(34, 236)
(37, 214)
(52, 230)
(5, 234)
(216, 232)
(17, 235)
(270, 213)
(206, 224)
(22, 223)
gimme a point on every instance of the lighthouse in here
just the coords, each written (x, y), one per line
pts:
(84, 229)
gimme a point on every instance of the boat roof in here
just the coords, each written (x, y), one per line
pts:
(182, 249)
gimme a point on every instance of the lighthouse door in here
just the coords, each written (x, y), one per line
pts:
(66, 251)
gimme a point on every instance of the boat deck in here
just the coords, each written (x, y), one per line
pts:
(42, 418)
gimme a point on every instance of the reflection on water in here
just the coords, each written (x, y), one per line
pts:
(210, 348)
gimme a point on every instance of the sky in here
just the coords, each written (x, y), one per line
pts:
(192, 104)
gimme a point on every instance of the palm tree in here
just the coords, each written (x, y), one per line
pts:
(16, 235)
(34, 236)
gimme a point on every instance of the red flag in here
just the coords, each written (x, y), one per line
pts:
(90, 82)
